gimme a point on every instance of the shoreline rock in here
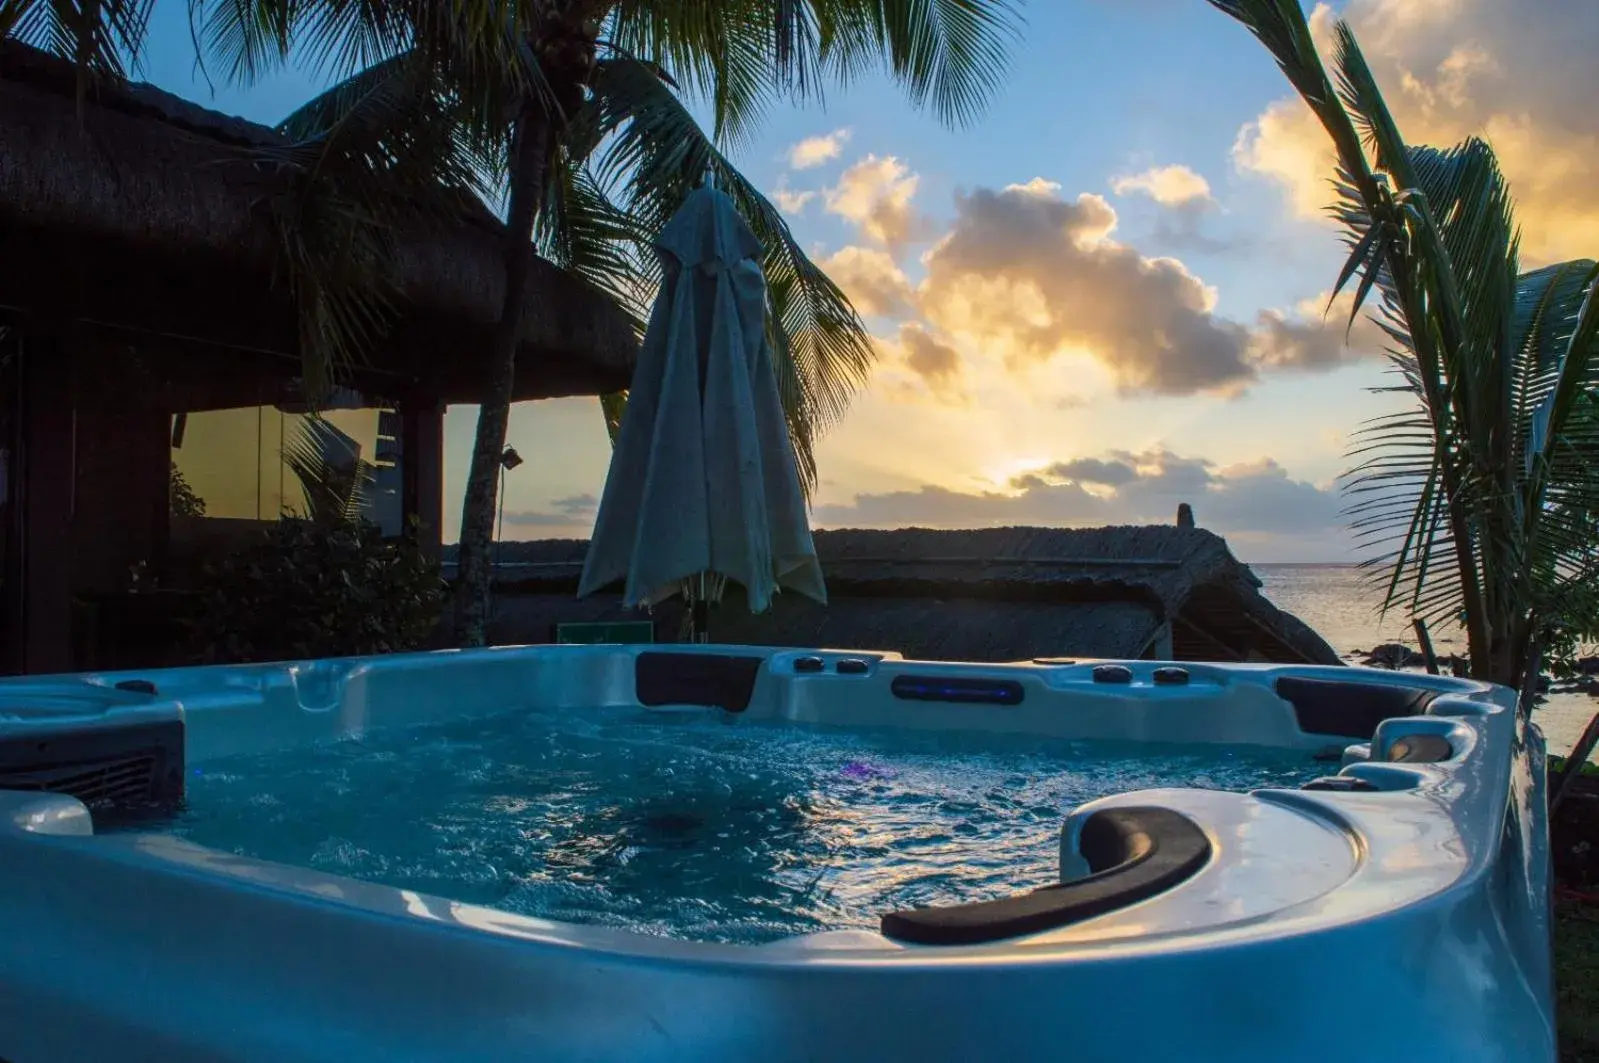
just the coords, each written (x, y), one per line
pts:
(1392, 656)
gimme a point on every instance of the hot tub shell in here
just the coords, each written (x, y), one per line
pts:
(1402, 915)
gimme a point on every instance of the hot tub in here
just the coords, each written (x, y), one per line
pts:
(1391, 904)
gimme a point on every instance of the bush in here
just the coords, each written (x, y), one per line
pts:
(184, 502)
(317, 589)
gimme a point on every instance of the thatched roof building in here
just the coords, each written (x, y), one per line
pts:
(995, 594)
(148, 338)
(144, 216)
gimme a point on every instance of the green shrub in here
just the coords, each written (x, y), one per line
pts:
(1558, 765)
(317, 589)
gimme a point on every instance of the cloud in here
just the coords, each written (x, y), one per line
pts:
(1111, 473)
(1187, 201)
(574, 510)
(1170, 186)
(790, 201)
(1316, 336)
(1181, 231)
(814, 151)
(1256, 501)
(875, 194)
(1028, 273)
(938, 364)
(918, 367)
(584, 503)
(1522, 74)
(873, 281)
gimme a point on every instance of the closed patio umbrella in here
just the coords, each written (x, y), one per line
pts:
(702, 483)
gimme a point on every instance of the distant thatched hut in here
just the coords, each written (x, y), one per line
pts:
(146, 332)
(996, 594)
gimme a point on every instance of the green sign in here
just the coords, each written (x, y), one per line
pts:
(625, 632)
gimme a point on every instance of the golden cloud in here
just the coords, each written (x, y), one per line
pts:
(1170, 186)
(916, 366)
(789, 200)
(1023, 277)
(814, 151)
(875, 194)
(872, 280)
(1520, 74)
(1028, 273)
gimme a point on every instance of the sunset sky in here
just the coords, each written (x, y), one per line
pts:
(1106, 297)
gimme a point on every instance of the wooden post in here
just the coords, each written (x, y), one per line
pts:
(1162, 644)
(1579, 756)
(47, 479)
(1426, 644)
(422, 469)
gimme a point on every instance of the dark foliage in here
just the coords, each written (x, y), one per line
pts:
(185, 503)
(309, 589)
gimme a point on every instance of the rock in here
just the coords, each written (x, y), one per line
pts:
(1393, 655)
(1588, 666)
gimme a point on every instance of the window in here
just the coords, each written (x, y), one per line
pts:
(259, 463)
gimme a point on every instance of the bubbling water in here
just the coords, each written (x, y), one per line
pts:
(702, 827)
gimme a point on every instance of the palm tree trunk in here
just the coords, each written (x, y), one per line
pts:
(528, 169)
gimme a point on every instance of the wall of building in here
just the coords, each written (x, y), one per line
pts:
(935, 627)
(94, 478)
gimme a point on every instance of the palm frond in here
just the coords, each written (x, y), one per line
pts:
(100, 37)
(331, 471)
(950, 54)
(248, 37)
(382, 154)
(583, 232)
(720, 52)
(1543, 322)
(740, 55)
(1482, 499)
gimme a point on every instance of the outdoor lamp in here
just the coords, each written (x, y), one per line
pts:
(510, 459)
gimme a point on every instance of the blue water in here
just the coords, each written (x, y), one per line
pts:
(700, 827)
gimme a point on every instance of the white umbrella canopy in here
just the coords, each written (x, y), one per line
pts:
(702, 478)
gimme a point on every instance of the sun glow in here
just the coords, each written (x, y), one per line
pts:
(1002, 475)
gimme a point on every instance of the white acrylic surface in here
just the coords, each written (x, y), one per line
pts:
(1409, 923)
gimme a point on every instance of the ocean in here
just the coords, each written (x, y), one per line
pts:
(1340, 603)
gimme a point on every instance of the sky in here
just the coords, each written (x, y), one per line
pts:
(1106, 296)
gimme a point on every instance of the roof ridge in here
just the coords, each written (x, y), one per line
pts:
(24, 64)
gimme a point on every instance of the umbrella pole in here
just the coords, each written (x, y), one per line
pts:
(701, 615)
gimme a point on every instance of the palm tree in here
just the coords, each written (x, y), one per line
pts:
(576, 108)
(1478, 501)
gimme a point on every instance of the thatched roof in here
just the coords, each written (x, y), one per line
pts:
(145, 174)
(989, 594)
